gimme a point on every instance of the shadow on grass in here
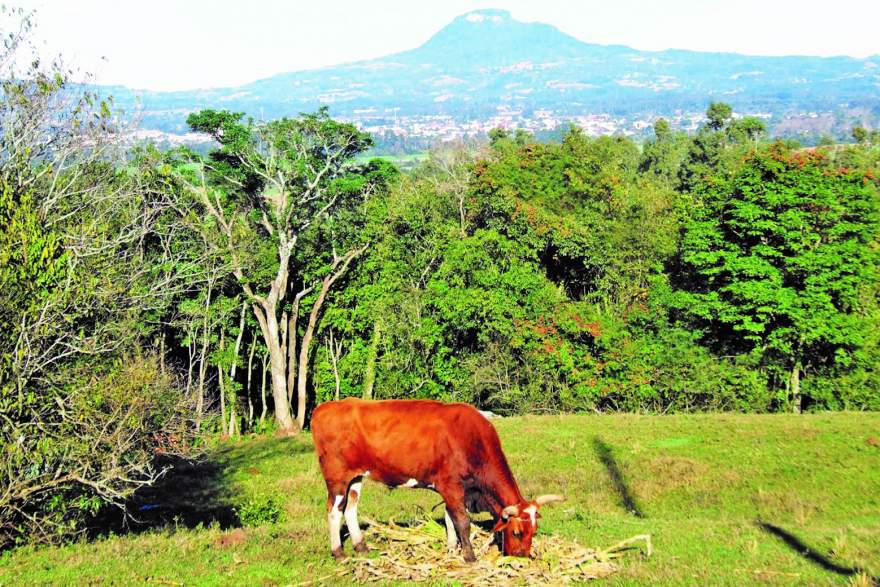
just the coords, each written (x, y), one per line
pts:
(606, 455)
(189, 494)
(194, 492)
(809, 553)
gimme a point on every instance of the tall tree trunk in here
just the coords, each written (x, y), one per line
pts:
(233, 401)
(795, 388)
(263, 388)
(203, 364)
(266, 312)
(222, 387)
(334, 349)
(277, 364)
(162, 352)
(302, 377)
(372, 353)
(191, 359)
(250, 417)
(233, 420)
(291, 342)
(221, 382)
(340, 266)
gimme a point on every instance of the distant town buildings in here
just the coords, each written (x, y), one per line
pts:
(446, 128)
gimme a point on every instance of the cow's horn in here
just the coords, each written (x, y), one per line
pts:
(510, 510)
(542, 499)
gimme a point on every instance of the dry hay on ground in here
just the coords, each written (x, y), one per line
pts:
(418, 553)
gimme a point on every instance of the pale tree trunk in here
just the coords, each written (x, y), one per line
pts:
(203, 364)
(340, 266)
(233, 403)
(263, 388)
(222, 399)
(795, 388)
(233, 419)
(291, 342)
(266, 312)
(334, 349)
(277, 365)
(221, 383)
(372, 353)
(250, 417)
(191, 358)
(162, 353)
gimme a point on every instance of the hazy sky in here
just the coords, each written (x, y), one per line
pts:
(185, 44)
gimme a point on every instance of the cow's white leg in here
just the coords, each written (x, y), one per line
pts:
(334, 517)
(451, 538)
(351, 517)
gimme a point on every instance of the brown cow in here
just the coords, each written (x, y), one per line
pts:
(449, 448)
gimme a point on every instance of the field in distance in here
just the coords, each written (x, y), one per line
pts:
(728, 500)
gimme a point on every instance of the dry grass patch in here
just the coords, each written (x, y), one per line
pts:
(235, 537)
(666, 473)
(418, 553)
(785, 504)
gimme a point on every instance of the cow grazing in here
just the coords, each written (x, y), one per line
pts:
(449, 448)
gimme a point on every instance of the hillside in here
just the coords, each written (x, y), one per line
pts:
(486, 64)
(728, 500)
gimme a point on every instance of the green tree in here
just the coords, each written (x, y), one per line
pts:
(662, 129)
(748, 129)
(717, 150)
(718, 115)
(83, 405)
(860, 135)
(663, 156)
(774, 264)
(275, 198)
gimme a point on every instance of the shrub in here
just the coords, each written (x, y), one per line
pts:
(69, 452)
(258, 511)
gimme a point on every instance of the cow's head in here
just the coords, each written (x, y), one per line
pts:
(518, 523)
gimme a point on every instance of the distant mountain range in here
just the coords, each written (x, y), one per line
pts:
(485, 63)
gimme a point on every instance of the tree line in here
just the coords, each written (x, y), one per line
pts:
(151, 296)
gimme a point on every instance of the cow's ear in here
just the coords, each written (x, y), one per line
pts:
(500, 525)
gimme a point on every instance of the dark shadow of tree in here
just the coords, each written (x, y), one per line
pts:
(606, 456)
(192, 492)
(810, 553)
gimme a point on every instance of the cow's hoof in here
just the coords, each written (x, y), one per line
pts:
(469, 557)
(361, 547)
(338, 553)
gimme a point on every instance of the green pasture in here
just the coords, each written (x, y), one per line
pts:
(727, 499)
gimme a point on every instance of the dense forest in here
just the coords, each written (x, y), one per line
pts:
(149, 297)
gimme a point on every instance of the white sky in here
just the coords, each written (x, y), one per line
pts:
(186, 44)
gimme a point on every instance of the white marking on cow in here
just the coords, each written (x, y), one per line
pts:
(351, 514)
(411, 483)
(334, 517)
(532, 511)
(451, 538)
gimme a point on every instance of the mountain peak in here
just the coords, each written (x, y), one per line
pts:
(493, 37)
(486, 15)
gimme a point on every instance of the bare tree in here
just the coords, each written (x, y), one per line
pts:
(334, 351)
(286, 175)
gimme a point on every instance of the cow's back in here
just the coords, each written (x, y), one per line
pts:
(399, 440)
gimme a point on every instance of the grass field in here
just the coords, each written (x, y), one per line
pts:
(728, 500)
(403, 162)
